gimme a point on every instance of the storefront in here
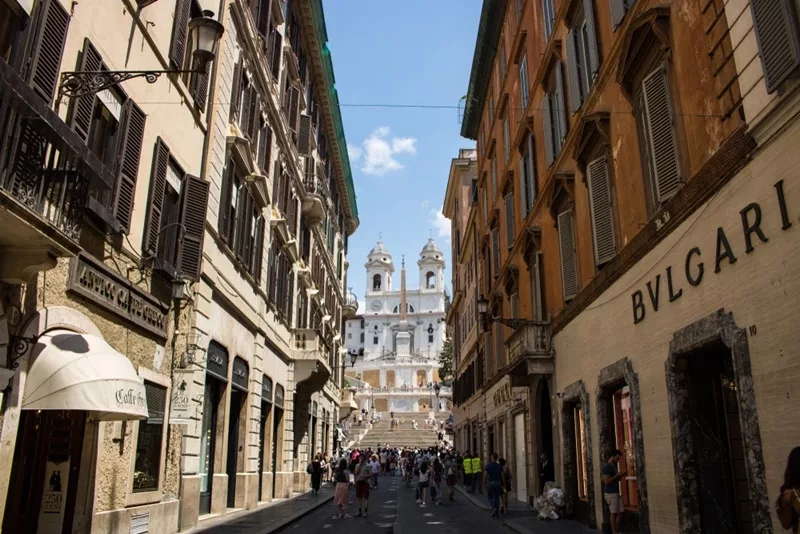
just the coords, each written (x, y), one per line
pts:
(210, 439)
(266, 446)
(280, 487)
(235, 464)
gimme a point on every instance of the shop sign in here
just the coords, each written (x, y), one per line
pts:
(279, 396)
(54, 497)
(217, 362)
(502, 395)
(266, 388)
(240, 373)
(94, 281)
(693, 266)
(179, 406)
(130, 397)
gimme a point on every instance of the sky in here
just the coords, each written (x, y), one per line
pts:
(400, 53)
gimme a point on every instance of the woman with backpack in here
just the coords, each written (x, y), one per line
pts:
(315, 470)
(424, 483)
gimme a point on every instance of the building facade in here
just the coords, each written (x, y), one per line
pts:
(398, 338)
(173, 261)
(638, 208)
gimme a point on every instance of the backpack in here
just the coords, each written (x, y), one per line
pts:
(308, 469)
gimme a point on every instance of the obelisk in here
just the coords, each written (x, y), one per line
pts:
(403, 337)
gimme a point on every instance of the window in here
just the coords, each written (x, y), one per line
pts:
(494, 180)
(554, 117)
(509, 204)
(496, 250)
(527, 178)
(506, 137)
(482, 144)
(485, 201)
(430, 280)
(625, 441)
(618, 10)
(376, 282)
(149, 439)
(491, 111)
(549, 18)
(499, 352)
(280, 291)
(175, 218)
(520, 4)
(601, 210)
(524, 86)
(657, 138)
(362, 324)
(11, 17)
(569, 261)
(778, 31)
(513, 302)
(579, 423)
(536, 289)
(362, 337)
(582, 57)
(375, 340)
(502, 61)
(349, 335)
(181, 55)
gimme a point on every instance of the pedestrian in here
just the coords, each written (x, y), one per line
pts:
(467, 463)
(324, 465)
(375, 468)
(788, 503)
(494, 484)
(341, 494)
(424, 483)
(611, 478)
(477, 479)
(546, 471)
(506, 486)
(363, 473)
(384, 456)
(315, 470)
(451, 468)
(436, 492)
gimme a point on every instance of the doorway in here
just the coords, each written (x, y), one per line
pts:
(44, 476)
(233, 444)
(277, 422)
(208, 438)
(264, 440)
(722, 486)
(520, 458)
(544, 434)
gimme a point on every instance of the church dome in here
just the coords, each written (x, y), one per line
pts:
(379, 248)
(431, 246)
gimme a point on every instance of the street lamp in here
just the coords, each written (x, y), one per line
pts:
(514, 323)
(203, 35)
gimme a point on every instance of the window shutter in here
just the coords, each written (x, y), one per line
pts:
(509, 220)
(179, 31)
(158, 182)
(264, 142)
(246, 107)
(600, 206)
(523, 189)
(531, 174)
(83, 107)
(262, 19)
(661, 135)
(277, 45)
(294, 104)
(304, 135)
(573, 72)
(561, 108)
(201, 88)
(591, 37)
(536, 289)
(496, 250)
(225, 194)
(194, 202)
(130, 152)
(618, 10)
(236, 89)
(259, 252)
(51, 34)
(255, 117)
(778, 34)
(549, 157)
(566, 241)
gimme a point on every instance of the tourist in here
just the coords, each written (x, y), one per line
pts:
(477, 479)
(788, 504)
(375, 468)
(384, 456)
(323, 463)
(494, 484)
(611, 478)
(315, 470)
(424, 483)
(451, 469)
(467, 463)
(438, 470)
(506, 486)
(341, 494)
(363, 473)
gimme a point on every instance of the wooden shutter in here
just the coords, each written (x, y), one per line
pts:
(200, 93)
(661, 135)
(496, 250)
(591, 36)
(47, 49)
(560, 108)
(158, 183)
(569, 268)
(236, 90)
(130, 151)
(277, 45)
(259, 252)
(83, 107)
(523, 187)
(601, 211)
(549, 156)
(225, 197)
(247, 98)
(263, 146)
(536, 289)
(509, 201)
(304, 135)
(194, 203)
(618, 10)
(180, 30)
(574, 72)
(294, 104)
(778, 35)
(262, 19)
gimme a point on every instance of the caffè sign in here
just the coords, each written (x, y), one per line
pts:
(93, 280)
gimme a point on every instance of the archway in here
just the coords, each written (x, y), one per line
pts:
(544, 433)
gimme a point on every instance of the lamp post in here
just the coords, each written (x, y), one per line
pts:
(203, 35)
(437, 389)
(514, 323)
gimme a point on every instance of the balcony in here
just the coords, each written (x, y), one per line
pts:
(350, 307)
(46, 175)
(311, 368)
(315, 202)
(530, 352)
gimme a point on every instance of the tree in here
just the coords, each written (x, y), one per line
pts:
(446, 360)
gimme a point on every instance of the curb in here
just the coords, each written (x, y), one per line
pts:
(298, 516)
(471, 498)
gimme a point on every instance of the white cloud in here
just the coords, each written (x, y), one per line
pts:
(425, 203)
(379, 151)
(441, 224)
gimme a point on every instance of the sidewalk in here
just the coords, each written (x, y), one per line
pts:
(482, 501)
(269, 517)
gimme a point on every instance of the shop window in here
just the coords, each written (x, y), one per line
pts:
(625, 441)
(147, 466)
(579, 424)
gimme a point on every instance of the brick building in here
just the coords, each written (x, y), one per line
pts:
(638, 207)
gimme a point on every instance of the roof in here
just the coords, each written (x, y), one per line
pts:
(489, 30)
(379, 248)
(431, 246)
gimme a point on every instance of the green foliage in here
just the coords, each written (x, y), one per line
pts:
(446, 360)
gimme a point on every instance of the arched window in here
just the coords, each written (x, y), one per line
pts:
(376, 282)
(430, 280)
(396, 309)
(362, 324)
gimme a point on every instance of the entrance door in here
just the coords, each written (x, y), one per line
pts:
(44, 475)
(208, 437)
(519, 457)
(722, 487)
(544, 436)
(277, 441)
(233, 446)
(313, 439)
(262, 430)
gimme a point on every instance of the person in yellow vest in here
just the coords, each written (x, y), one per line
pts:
(467, 471)
(476, 470)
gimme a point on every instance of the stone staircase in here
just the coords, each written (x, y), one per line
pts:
(404, 436)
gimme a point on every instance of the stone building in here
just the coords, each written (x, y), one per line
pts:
(172, 260)
(638, 209)
(397, 339)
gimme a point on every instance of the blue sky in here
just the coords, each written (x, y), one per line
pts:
(401, 52)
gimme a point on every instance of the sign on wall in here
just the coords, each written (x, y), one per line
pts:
(179, 401)
(240, 373)
(54, 497)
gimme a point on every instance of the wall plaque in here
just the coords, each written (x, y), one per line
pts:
(91, 279)
(240, 373)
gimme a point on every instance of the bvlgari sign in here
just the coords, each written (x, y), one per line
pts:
(93, 280)
(694, 269)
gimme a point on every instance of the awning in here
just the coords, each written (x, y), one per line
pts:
(71, 371)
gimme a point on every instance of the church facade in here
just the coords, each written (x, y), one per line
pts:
(399, 335)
